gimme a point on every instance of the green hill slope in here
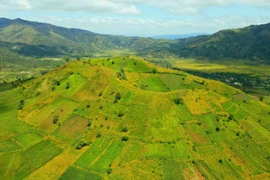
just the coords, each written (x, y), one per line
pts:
(124, 118)
(251, 43)
(43, 39)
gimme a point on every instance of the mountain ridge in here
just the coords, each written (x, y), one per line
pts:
(249, 43)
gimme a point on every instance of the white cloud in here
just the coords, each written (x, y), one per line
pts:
(94, 6)
(125, 6)
(195, 6)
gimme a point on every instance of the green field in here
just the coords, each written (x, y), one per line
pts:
(125, 118)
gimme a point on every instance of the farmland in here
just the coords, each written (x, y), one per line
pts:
(126, 118)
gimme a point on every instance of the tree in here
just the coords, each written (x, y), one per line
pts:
(55, 119)
(81, 144)
(154, 70)
(125, 129)
(125, 138)
(261, 98)
(68, 85)
(118, 96)
(67, 59)
(109, 171)
(178, 101)
(21, 104)
(98, 135)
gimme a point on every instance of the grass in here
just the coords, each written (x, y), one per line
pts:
(35, 157)
(29, 138)
(177, 126)
(107, 159)
(73, 128)
(95, 150)
(77, 173)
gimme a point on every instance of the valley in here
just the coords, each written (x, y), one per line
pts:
(75, 104)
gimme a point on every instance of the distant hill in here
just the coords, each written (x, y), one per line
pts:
(177, 36)
(125, 118)
(42, 39)
(251, 42)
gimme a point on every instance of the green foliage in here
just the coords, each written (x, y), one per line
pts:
(178, 101)
(81, 144)
(125, 138)
(21, 104)
(55, 119)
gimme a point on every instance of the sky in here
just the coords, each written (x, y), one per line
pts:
(141, 17)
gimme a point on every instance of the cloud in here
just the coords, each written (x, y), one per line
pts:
(128, 7)
(98, 6)
(189, 7)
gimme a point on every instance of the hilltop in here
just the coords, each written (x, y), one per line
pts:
(125, 118)
(41, 39)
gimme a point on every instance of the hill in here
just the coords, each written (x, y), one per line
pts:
(125, 118)
(250, 43)
(41, 39)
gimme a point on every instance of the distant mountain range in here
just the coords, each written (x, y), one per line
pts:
(41, 39)
(178, 36)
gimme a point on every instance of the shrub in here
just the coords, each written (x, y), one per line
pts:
(55, 119)
(217, 129)
(21, 104)
(125, 138)
(125, 129)
(81, 144)
(109, 171)
(98, 135)
(178, 101)
(68, 85)
(117, 96)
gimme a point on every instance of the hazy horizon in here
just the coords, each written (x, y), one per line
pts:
(140, 18)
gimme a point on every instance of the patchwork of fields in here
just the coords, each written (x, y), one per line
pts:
(125, 118)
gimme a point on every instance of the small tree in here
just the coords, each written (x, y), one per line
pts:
(21, 104)
(154, 71)
(81, 144)
(125, 129)
(55, 119)
(117, 96)
(67, 59)
(125, 138)
(178, 101)
(68, 85)
(109, 171)
(98, 135)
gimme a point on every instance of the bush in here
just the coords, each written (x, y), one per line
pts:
(55, 119)
(125, 138)
(81, 144)
(117, 96)
(68, 85)
(125, 129)
(21, 104)
(178, 101)
(154, 71)
(217, 129)
(109, 171)
(98, 135)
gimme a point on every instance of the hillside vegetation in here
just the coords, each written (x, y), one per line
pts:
(41, 39)
(125, 118)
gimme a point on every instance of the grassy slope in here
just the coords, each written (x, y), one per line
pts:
(168, 139)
